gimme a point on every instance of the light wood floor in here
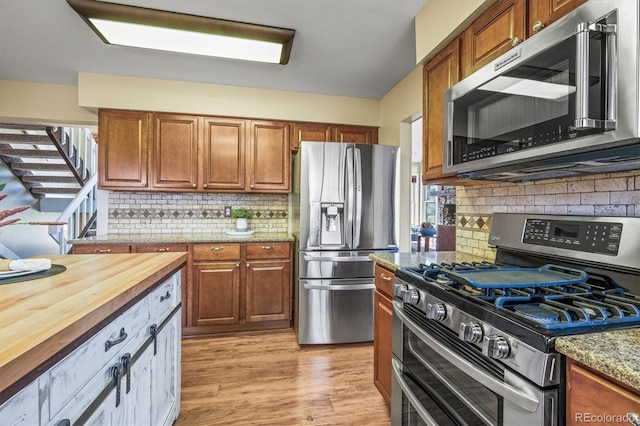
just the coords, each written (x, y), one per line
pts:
(267, 379)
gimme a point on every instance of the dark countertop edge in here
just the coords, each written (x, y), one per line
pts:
(179, 238)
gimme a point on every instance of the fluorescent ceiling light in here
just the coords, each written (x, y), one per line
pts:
(175, 32)
(530, 88)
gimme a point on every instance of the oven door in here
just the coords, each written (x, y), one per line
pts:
(439, 380)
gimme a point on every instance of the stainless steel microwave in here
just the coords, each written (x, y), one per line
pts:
(565, 102)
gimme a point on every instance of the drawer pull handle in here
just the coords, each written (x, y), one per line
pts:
(64, 422)
(153, 330)
(216, 248)
(163, 249)
(103, 250)
(111, 343)
(126, 365)
(267, 247)
(165, 297)
(384, 277)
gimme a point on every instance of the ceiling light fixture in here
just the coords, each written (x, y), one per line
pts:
(177, 32)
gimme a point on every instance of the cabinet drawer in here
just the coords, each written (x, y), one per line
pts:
(268, 251)
(101, 249)
(160, 248)
(22, 408)
(216, 252)
(384, 280)
(70, 375)
(164, 298)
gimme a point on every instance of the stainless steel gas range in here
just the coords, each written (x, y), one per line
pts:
(473, 343)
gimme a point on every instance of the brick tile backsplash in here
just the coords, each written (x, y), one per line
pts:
(163, 213)
(614, 194)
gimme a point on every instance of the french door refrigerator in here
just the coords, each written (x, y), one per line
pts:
(345, 207)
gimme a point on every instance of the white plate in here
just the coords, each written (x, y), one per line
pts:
(240, 233)
(11, 274)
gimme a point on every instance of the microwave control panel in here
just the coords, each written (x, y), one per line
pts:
(590, 237)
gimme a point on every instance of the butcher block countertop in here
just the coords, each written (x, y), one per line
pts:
(207, 237)
(41, 319)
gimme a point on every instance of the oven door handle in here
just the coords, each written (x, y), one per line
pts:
(415, 402)
(510, 393)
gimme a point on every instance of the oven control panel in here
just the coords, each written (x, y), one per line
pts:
(590, 237)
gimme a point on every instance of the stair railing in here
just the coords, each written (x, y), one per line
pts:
(78, 215)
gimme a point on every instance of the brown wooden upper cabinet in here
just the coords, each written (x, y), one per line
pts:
(191, 153)
(269, 157)
(440, 73)
(496, 31)
(323, 132)
(175, 152)
(123, 151)
(543, 13)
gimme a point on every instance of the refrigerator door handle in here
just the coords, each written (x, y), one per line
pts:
(337, 258)
(348, 229)
(339, 287)
(358, 197)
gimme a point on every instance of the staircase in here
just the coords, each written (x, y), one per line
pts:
(55, 163)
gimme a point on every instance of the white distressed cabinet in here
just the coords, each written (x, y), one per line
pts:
(81, 388)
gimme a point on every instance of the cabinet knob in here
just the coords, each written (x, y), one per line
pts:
(515, 41)
(237, 265)
(248, 265)
(193, 185)
(204, 186)
(537, 26)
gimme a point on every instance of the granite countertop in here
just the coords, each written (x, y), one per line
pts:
(394, 261)
(183, 238)
(613, 353)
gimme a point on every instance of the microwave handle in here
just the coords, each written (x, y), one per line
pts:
(582, 76)
(448, 134)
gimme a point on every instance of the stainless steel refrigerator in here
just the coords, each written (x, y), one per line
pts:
(345, 207)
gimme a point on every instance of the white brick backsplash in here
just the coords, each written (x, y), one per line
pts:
(615, 194)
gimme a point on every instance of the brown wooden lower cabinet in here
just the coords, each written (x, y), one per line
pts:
(382, 326)
(597, 399)
(226, 287)
(240, 287)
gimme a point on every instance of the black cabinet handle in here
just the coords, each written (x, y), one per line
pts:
(153, 330)
(126, 364)
(116, 374)
(165, 297)
(111, 343)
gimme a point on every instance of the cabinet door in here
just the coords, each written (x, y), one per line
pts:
(216, 293)
(356, 134)
(268, 289)
(123, 149)
(175, 152)
(224, 143)
(543, 13)
(382, 325)
(589, 393)
(165, 375)
(442, 72)
(269, 157)
(493, 33)
(315, 132)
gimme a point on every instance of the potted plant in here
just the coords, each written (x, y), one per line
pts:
(242, 217)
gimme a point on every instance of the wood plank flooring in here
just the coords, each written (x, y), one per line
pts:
(268, 379)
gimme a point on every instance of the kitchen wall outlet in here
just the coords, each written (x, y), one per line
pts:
(227, 211)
